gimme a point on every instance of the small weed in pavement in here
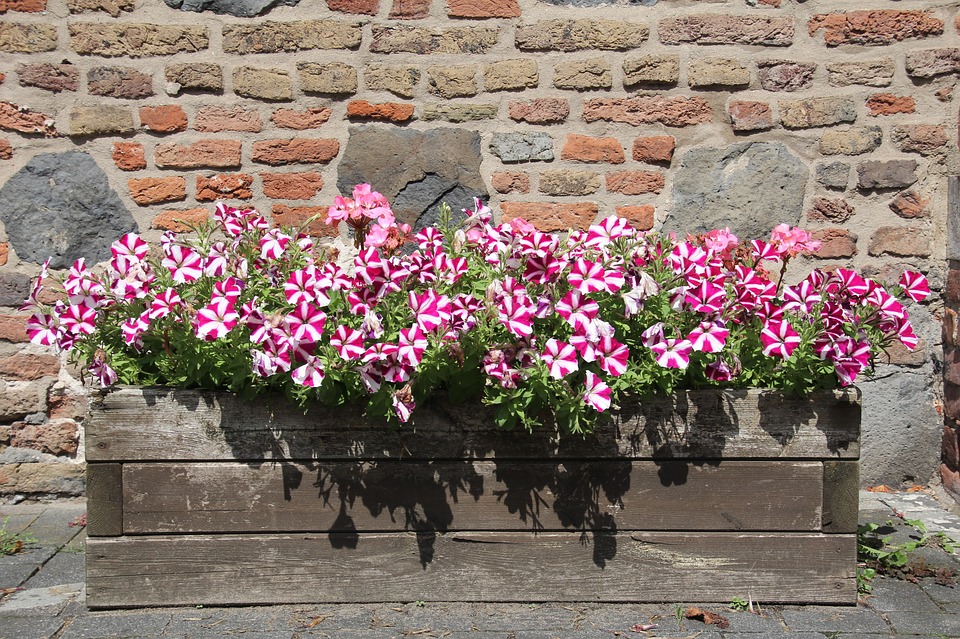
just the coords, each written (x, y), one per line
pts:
(12, 543)
(877, 554)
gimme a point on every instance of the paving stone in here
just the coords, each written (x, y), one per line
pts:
(833, 619)
(941, 594)
(118, 625)
(12, 627)
(898, 595)
(16, 569)
(63, 568)
(517, 617)
(929, 623)
(41, 602)
(439, 618)
(16, 524)
(52, 528)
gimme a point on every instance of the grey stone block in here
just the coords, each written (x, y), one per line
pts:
(14, 627)
(118, 625)
(927, 623)
(63, 568)
(239, 8)
(60, 205)
(16, 569)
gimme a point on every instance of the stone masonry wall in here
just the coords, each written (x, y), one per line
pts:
(679, 114)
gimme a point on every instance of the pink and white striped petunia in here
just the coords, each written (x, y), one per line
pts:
(779, 339)
(403, 406)
(411, 345)
(133, 328)
(348, 342)
(914, 286)
(215, 320)
(587, 277)
(577, 309)
(273, 244)
(516, 313)
(79, 319)
(102, 371)
(306, 323)
(310, 374)
(43, 329)
(229, 289)
(802, 297)
(184, 264)
(608, 230)
(560, 358)
(612, 356)
(709, 337)
(597, 394)
(707, 297)
(164, 303)
(673, 353)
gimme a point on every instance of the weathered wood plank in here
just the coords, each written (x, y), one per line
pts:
(477, 566)
(841, 496)
(480, 495)
(134, 424)
(104, 500)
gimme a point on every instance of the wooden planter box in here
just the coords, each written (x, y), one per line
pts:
(199, 498)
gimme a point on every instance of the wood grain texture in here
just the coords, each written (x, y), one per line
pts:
(104, 500)
(492, 566)
(480, 495)
(132, 424)
(841, 496)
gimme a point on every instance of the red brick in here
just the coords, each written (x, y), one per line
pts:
(13, 328)
(951, 400)
(483, 8)
(919, 138)
(635, 182)
(13, 117)
(295, 151)
(119, 82)
(540, 111)
(26, 6)
(950, 447)
(511, 182)
(214, 119)
(900, 241)
(29, 367)
(300, 120)
(641, 217)
(389, 111)
(296, 216)
(950, 479)
(747, 115)
(648, 109)
(910, 205)
(146, 191)
(6, 150)
(232, 186)
(217, 154)
(835, 243)
(583, 148)
(66, 405)
(129, 156)
(4, 253)
(291, 186)
(951, 364)
(710, 28)
(364, 7)
(953, 286)
(552, 216)
(828, 210)
(410, 9)
(169, 118)
(883, 26)
(56, 437)
(654, 150)
(889, 104)
(178, 220)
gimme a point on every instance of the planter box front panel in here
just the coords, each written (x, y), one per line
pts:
(198, 498)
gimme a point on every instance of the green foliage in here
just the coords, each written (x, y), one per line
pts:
(878, 554)
(739, 604)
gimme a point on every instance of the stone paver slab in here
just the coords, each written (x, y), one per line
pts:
(833, 619)
(929, 623)
(52, 527)
(896, 594)
(63, 568)
(17, 568)
(15, 627)
(118, 625)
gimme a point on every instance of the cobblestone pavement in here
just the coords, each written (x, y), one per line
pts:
(42, 597)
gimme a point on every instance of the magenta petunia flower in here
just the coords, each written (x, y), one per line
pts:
(560, 358)
(215, 320)
(597, 394)
(779, 339)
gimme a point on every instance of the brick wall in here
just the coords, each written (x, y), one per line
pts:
(842, 119)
